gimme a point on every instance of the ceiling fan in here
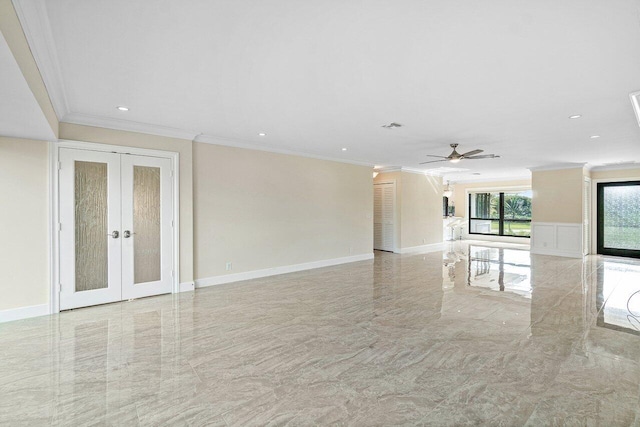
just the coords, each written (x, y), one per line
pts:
(455, 157)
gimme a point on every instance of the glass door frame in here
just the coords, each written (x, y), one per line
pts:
(54, 191)
(599, 202)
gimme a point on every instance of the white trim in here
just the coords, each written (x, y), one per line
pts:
(558, 166)
(501, 189)
(170, 132)
(128, 125)
(493, 238)
(494, 179)
(554, 242)
(635, 102)
(556, 252)
(37, 30)
(433, 247)
(274, 271)
(54, 264)
(615, 167)
(227, 142)
(24, 312)
(587, 223)
(396, 206)
(187, 286)
(408, 170)
(54, 303)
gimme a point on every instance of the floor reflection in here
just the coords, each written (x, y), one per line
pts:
(480, 334)
(495, 268)
(619, 296)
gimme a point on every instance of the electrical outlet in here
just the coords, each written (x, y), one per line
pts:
(229, 266)
(424, 241)
(350, 250)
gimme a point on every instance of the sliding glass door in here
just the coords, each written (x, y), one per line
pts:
(619, 218)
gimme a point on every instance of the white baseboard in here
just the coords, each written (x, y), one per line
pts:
(557, 239)
(555, 252)
(433, 247)
(187, 286)
(24, 312)
(256, 274)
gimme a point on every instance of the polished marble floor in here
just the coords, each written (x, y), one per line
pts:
(473, 335)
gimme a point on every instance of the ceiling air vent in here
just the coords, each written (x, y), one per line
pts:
(635, 101)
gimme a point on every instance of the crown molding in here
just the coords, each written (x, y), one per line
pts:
(558, 166)
(387, 169)
(170, 132)
(128, 125)
(228, 142)
(613, 167)
(492, 179)
(37, 30)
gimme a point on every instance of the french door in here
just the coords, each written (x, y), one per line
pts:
(619, 218)
(115, 227)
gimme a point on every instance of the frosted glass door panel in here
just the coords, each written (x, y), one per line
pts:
(146, 223)
(90, 216)
(622, 217)
(91, 226)
(147, 257)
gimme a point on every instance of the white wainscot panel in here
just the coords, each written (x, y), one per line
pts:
(560, 239)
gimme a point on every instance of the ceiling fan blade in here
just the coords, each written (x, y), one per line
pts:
(472, 153)
(441, 157)
(484, 156)
(434, 161)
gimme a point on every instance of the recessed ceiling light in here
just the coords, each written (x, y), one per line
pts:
(262, 134)
(594, 136)
(344, 149)
(121, 108)
(575, 116)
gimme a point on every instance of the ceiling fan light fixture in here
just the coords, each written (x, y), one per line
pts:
(455, 160)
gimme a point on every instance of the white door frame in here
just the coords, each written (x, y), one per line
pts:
(54, 226)
(396, 231)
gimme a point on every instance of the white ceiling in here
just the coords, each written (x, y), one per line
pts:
(20, 114)
(317, 76)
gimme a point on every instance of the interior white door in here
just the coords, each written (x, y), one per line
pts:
(90, 225)
(384, 199)
(116, 236)
(147, 231)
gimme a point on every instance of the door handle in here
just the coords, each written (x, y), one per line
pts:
(115, 234)
(126, 234)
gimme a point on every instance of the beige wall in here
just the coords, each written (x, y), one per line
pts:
(421, 210)
(24, 252)
(14, 35)
(418, 208)
(557, 195)
(259, 210)
(140, 140)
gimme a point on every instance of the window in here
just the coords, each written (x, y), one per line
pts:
(500, 213)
